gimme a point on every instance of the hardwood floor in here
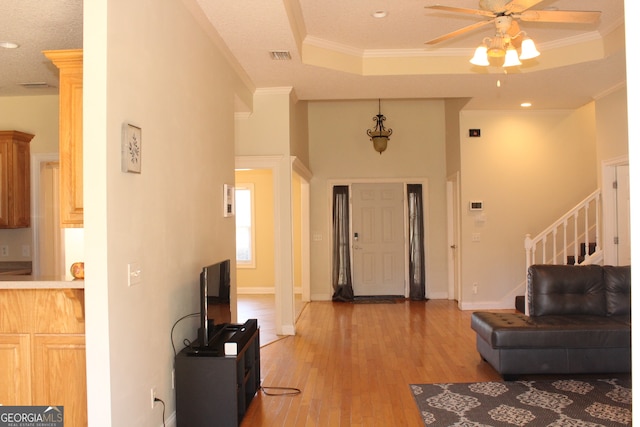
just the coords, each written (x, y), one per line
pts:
(262, 307)
(354, 362)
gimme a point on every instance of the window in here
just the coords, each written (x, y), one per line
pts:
(245, 236)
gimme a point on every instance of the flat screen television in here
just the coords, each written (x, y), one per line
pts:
(215, 303)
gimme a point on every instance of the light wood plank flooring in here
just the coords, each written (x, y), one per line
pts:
(354, 362)
(262, 307)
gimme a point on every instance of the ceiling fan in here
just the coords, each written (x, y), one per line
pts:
(505, 14)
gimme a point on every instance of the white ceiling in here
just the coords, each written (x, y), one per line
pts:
(315, 33)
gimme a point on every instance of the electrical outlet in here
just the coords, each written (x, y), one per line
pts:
(153, 397)
(475, 288)
(26, 250)
(4, 250)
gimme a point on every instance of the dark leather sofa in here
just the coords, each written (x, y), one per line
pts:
(579, 322)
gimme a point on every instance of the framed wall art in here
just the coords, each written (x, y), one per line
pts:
(131, 148)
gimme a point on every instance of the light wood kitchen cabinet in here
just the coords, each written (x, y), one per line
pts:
(15, 179)
(69, 62)
(42, 350)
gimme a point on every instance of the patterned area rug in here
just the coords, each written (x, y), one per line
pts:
(563, 402)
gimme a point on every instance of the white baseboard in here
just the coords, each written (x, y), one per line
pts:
(438, 295)
(288, 330)
(488, 305)
(266, 290)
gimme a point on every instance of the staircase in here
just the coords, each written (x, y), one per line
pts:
(572, 239)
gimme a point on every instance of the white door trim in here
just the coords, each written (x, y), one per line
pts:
(609, 221)
(453, 237)
(36, 160)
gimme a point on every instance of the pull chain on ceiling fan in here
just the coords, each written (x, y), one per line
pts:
(508, 37)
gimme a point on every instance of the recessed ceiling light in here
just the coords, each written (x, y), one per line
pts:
(525, 104)
(9, 45)
(379, 14)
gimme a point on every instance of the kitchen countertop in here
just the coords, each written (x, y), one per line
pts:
(37, 282)
(17, 275)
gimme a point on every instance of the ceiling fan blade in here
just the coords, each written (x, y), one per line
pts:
(461, 10)
(516, 6)
(459, 32)
(570, 16)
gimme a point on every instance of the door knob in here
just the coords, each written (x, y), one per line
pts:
(453, 246)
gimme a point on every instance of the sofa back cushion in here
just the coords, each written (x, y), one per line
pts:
(566, 289)
(617, 283)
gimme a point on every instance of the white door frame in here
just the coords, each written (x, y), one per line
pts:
(36, 160)
(284, 300)
(453, 237)
(425, 208)
(609, 221)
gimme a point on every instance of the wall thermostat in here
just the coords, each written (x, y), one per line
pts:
(475, 205)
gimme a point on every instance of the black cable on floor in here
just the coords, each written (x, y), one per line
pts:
(284, 391)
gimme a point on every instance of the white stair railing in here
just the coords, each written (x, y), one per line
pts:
(563, 240)
(576, 234)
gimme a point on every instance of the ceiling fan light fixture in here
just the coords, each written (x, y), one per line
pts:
(495, 48)
(480, 57)
(511, 58)
(528, 49)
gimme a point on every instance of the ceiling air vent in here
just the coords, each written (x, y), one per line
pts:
(35, 85)
(280, 55)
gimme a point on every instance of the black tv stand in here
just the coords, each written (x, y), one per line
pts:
(216, 384)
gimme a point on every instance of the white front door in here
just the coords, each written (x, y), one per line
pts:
(378, 239)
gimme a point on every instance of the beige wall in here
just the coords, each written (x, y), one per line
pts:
(299, 122)
(452, 133)
(339, 149)
(528, 168)
(37, 115)
(150, 63)
(267, 130)
(612, 139)
(261, 278)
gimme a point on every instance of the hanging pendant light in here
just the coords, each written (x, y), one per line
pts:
(379, 135)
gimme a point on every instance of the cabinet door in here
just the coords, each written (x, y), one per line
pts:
(15, 179)
(15, 369)
(59, 372)
(4, 182)
(71, 197)
(21, 179)
(69, 62)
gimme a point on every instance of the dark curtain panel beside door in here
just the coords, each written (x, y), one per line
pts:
(416, 243)
(341, 274)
